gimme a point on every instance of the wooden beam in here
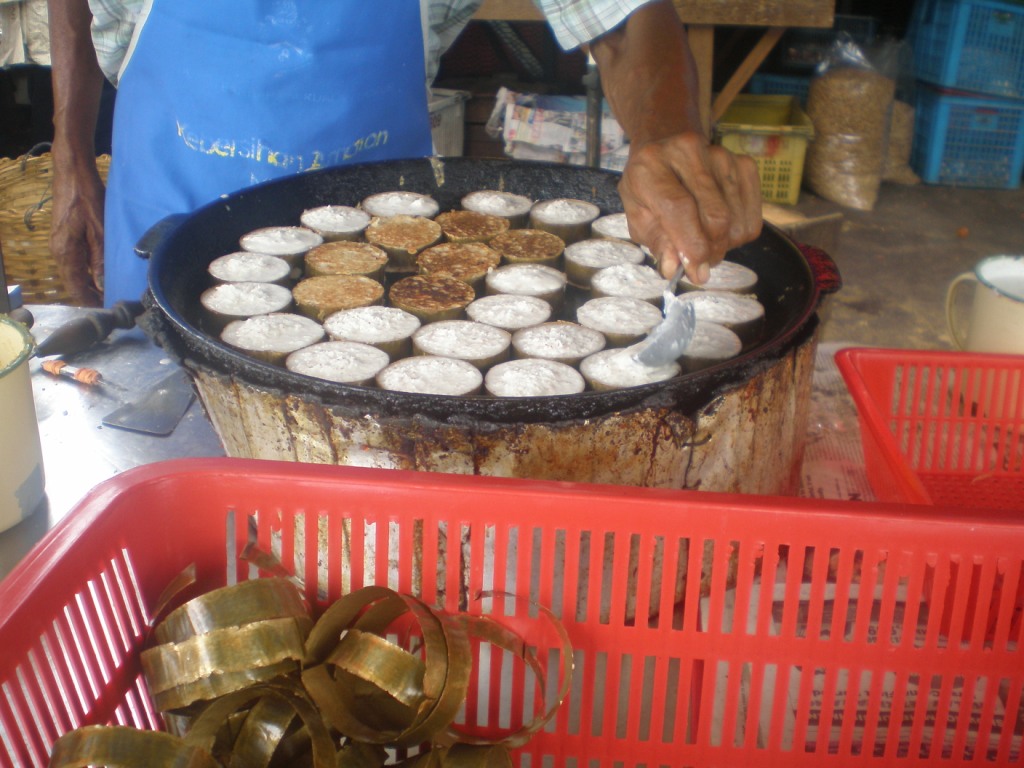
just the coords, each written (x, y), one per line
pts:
(743, 72)
(702, 45)
(509, 10)
(758, 13)
(739, 13)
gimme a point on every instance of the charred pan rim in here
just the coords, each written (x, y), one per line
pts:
(177, 276)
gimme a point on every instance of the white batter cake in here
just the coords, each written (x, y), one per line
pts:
(336, 222)
(288, 242)
(400, 203)
(586, 258)
(346, 362)
(622, 320)
(249, 267)
(225, 302)
(515, 208)
(272, 337)
(537, 280)
(533, 378)
(739, 312)
(711, 343)
(510, 312)
(635, 281)
(725, 276)
(614, 226)
(427, 375)
(560, 340)
(387, 328)
(476, 343)
(617, 368)
(568, 218)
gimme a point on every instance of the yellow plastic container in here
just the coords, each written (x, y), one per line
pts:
(775, 132)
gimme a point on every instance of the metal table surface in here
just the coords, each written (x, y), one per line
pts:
(78, 450)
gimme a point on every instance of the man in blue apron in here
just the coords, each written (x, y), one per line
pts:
(210, 102)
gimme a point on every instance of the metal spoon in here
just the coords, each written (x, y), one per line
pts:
(670, 337)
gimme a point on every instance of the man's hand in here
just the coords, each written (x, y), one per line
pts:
(76, 237)
(688, 201)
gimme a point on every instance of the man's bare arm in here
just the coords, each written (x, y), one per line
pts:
(76, 239)
(686, 200)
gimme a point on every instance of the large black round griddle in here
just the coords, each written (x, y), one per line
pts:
(177, 276)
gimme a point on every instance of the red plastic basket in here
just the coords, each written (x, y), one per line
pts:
(806, 632)
(940, 427)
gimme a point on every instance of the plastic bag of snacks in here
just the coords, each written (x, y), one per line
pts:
(850, 103)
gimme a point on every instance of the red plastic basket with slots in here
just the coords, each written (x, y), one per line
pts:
(767, 631)
(940, 427)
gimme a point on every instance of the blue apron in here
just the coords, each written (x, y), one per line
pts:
(219, 96)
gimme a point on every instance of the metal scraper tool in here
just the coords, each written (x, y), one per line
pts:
(159, 410)
(670, 337)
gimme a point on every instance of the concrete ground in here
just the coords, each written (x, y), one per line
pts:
(898, 259)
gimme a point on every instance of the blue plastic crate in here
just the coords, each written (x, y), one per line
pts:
(765, 84)
(966, 140)
(973, 45)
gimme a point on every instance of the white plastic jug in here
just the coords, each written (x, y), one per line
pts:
(21, 460)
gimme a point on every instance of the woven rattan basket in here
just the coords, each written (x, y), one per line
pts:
(25, 219)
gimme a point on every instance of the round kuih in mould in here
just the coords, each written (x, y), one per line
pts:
(711, 344)
(622, 320)
(224, 302)
(388, 328)
(529, 246)
(635, 281)
(536, 280)
(614, 226)
(429, 375)
(400, 203)
(346, 362)
(739, 312)
(288, 242)
(343, 257)
(476, 343)
(586, 258)
(617, 368)
(469, 262)
(249, 267)
(336, 222)
(432, 298)
(509, 312)
(533, 378)
(320, 297)
(272, 337)
(566, 217)
(402, 237)
(515, 208)
(470, 226)
(558, 340)
(725, 276)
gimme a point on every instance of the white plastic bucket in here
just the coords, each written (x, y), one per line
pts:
(21, 461)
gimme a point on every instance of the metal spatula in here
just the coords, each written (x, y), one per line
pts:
(159, 410)
(669, 338)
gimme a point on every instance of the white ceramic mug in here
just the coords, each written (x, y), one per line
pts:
(21, 459)
(995, 320)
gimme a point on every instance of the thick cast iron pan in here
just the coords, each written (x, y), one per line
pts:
(179, 259)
